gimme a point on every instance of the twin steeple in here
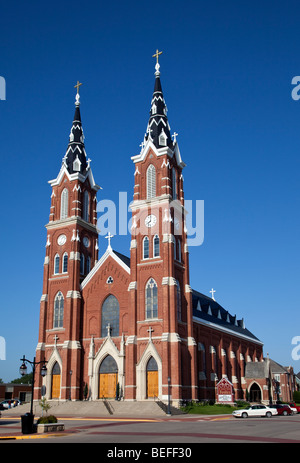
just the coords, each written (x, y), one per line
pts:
(75, 158)
(158, 128)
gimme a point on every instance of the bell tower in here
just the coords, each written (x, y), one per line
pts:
(160, 294)
(71, 252)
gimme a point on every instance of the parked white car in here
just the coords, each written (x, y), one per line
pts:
(255, 410)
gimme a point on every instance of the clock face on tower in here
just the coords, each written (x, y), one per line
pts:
(61, 240)
(86, 241)
(150, 220)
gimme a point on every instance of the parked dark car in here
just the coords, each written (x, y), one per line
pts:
(282, 409)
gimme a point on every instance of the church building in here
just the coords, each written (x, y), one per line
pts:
(131, 326)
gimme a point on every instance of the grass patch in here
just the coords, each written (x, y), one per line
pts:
(204, 408)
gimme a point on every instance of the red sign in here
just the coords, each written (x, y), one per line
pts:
(225, 392)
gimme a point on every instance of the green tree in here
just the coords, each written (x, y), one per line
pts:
(26, 379)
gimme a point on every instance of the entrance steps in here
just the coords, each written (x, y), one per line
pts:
(99, 408)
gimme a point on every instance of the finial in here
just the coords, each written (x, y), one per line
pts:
(77, 102)
(157, 66)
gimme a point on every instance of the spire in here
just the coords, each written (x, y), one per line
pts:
(158, 128)
(75, 157)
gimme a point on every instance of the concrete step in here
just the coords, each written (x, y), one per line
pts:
(145, 409)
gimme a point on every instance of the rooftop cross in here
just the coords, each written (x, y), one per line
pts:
(109, 237)
(213, 291)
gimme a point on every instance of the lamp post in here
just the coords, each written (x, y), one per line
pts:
(23, 372)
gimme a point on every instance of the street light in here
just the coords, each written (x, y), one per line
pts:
(23, 372)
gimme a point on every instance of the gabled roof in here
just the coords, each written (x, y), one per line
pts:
(256, 370)
(121, 260)
(277, 368)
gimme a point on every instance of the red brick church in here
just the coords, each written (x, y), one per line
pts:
(132, 326)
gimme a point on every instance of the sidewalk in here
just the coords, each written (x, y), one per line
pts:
(10, 421)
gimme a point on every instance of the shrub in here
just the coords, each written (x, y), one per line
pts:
(296, 396)
(47, 419)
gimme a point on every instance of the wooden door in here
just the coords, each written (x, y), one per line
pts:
(152, 384)
(55, 387)
(107, 385)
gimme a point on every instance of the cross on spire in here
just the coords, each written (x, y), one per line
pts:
(77, 86)
(156, 55)
(213, 291)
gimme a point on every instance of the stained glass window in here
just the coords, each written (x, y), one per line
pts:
(82, 264)
(56, 264)
(152, 365)
(151, 299)
(146, 248)
(65, 263)
(58, 311)
(178, 301)
(156, 246)
(110, 316)
(108, 365)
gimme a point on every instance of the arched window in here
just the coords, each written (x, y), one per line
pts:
(156, 246)
(146, 248)
(88, 265)
(65, 263)
(178, 301)
(201, 348)
(64, 201)
(151, 182)
(58, 317)
(174, 185)
(56, 264)
(179, 251)
(108, 365)
(86, 203)
(81, 264)
(151, 299)
(110, 317)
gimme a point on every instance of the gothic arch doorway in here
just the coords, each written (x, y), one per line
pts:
(108, 378)
(152, 378)
(255, 393)
(55, 381)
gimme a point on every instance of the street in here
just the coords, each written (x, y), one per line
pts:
(188, 429)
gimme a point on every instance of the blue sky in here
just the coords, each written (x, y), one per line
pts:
(226, 73)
